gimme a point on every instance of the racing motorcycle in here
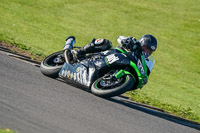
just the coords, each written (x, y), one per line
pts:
(107, 74)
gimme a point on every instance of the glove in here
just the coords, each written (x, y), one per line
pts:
(129, 43)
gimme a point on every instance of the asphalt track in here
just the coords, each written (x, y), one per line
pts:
(33, 103)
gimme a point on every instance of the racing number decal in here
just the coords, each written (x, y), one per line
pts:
(111, 58)
(140, 67)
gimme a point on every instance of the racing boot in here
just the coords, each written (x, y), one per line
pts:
(96, 45)
(67, 49)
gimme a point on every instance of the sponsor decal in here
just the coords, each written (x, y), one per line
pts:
(77, 69)
(153, 47)
(140, 67)
(68, 74)
(111, 58)
(99, 41)
(74, 76)
(71, 76)
(63, 72)
(78, 76)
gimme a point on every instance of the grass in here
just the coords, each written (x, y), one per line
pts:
(174, 85)
(6, 131)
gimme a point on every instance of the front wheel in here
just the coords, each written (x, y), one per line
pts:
(52, 64)
(107, 87)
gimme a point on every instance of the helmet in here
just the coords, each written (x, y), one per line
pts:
(149, 41)
(148, 44)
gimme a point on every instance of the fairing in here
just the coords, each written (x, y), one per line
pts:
(88, 70)
(150, 61)
(78, 73)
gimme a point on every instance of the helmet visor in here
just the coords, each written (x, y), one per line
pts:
(147, 51)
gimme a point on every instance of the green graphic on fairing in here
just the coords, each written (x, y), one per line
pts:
(121, 50)
(140, 76)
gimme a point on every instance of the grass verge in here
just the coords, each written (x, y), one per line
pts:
(6, 131)
(179, 111)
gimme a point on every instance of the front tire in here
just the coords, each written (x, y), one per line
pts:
(101, 90)
(48, 66)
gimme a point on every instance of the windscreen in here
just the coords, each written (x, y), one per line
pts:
(150, 61)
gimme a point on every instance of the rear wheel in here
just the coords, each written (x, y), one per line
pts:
(109, 86)
(52, 64)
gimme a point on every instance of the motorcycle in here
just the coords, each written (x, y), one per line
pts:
(108, 73)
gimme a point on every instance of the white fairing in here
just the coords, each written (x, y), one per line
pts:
(150, 61)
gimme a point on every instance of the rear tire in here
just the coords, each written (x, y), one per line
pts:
(49, 68)
(99, 90)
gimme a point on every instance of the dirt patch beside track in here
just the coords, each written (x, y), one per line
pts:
(15, 49)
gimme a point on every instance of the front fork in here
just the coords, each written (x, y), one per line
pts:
(121, 73)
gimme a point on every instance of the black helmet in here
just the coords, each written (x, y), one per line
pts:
(149, 40)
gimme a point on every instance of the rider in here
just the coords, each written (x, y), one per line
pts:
(147, 44)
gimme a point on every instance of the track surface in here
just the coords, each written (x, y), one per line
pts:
(33, 103)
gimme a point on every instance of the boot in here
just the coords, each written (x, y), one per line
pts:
(78, 54)
(67, 49)
(69, 43)
(81, 52)
(68, 56)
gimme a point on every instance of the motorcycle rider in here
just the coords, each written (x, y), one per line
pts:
(147, 44)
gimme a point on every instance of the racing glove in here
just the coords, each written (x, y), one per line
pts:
(129, 43)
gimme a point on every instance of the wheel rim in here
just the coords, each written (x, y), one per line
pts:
(53, 60)
(103, 84)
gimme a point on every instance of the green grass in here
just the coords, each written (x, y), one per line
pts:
(41, 27)
(6, 131)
